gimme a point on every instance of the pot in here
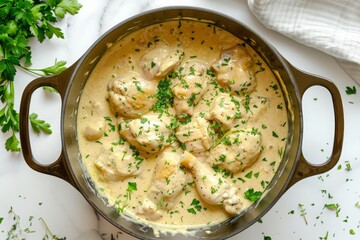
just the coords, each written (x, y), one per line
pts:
(70, 83)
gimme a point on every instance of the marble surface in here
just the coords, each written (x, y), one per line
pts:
(32, 195)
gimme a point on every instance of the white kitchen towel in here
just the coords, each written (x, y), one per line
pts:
(332, 26)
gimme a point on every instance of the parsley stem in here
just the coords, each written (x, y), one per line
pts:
(32, 71)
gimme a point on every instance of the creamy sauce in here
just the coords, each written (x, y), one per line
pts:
(181, 123)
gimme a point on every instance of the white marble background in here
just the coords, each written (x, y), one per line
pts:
(69, 215)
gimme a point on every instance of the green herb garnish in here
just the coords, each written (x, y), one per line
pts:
(303, 212)
(333, 206)
(39, 125)
(164, 95)
(251, 195)
(195, 206)
(350, 90)
(21, 20)
(52, 236)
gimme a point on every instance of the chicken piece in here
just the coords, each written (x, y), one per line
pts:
(234, 71)
(149, 134)
(237, 150)
(117, 162)
(225, 109)
(167, 182)
(158, 62)
(95, 123)
(197, 135)
(131, 95)
(190, 85)
(211, 186)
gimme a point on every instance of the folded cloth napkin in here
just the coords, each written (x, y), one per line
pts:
(332, 26)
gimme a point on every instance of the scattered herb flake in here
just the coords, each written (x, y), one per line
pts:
(350, 90)
(348, 166)
(333, 206)
(303, 212)
(326, 236)
(52, 236)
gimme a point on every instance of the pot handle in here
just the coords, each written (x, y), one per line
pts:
(59, 82)
(305, 169)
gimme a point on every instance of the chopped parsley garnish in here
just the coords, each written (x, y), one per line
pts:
(249, 175)
(251, 195)
(191, 100)
(195, 207)
(274, 134)
(261, 68)
(164, 95)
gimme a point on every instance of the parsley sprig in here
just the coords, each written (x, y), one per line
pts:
(21, 20)
(39, 125)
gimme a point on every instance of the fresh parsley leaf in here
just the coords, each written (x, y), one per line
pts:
(12, 144)
(350, 90)
(39, 125)
(67, 6)
(21, 20)
(50, 89)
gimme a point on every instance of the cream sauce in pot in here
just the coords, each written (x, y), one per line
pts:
(181, 124)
